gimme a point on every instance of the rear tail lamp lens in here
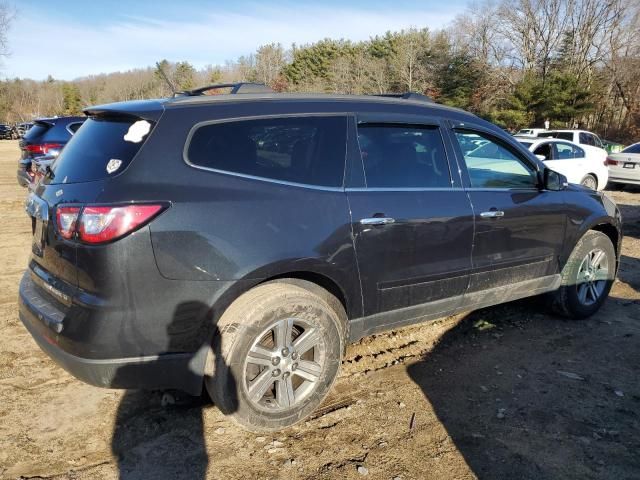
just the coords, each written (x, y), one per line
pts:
(43, 148)
(67, 217)
(102, 224)
(610, 161)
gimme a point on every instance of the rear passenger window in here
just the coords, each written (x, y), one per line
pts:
(73, 127)
(403, 156)
(309, 150)
(587, 139)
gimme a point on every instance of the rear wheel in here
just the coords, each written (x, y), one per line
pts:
(587, 277)
(280, 351)
(590, 181)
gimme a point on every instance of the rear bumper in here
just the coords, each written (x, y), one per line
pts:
(23, 178)
(629, 181)
(44, 321)
(624, 175)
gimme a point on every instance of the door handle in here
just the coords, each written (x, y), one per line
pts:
(492, 214)
(377, 221)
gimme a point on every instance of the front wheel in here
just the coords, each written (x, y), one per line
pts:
(587, 277)
(280, 348)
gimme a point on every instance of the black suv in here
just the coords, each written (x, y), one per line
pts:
(45, 138)
(241, 241)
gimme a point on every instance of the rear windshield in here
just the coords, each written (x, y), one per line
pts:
(632, 149)
(99, 149)
(36, 131)
(561, 135)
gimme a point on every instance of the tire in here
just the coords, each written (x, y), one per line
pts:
(277, 322)
(578, 297)
(589, 181)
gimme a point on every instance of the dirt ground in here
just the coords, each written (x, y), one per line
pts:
(505, 392)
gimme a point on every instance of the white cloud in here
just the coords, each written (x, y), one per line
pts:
(68, 49)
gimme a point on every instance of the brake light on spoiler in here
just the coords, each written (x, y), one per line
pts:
(96, 224)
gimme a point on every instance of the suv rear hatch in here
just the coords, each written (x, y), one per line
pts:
(96, 154)
(33, 144)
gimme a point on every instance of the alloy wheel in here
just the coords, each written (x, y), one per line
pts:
(589, 182)
(284, 365)
(593, 276)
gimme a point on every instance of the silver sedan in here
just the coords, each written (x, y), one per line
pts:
(624, 167)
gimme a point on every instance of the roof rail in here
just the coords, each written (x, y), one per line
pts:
(240, 87)
(407, 96)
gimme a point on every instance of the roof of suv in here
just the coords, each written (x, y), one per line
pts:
(148, 106)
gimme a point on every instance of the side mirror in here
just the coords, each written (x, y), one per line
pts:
(541, 157)
(554, 181)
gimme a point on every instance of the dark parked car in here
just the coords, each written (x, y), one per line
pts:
(23, 128)
(241, 241)
(47, 137)
(5, 131)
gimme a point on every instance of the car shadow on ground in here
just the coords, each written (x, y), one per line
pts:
(524, 394)
(160, 434)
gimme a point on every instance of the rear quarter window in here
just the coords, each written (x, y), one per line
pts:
(97, 145)
(308, 150)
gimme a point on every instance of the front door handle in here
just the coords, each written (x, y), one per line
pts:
(492, 214)
(377, 221)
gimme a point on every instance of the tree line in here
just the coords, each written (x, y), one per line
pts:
(518, 63)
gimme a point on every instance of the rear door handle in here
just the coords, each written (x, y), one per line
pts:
(377, 221)
(492, 214)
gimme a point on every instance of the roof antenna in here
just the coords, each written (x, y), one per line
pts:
(166, 79)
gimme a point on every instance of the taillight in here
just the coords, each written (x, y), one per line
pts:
(101, 224)
(610, 161)
(42, 148)
(104, 224)
(67, 218)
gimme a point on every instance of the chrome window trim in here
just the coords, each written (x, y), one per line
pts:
(204, 123)
(498, 189)
(404, 189)
(265, 179)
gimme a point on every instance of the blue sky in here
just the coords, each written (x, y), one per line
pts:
(74, 38)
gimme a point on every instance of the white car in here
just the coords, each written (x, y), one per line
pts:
(531, 131)
(589, 141)
(571, 160)
(624, 167)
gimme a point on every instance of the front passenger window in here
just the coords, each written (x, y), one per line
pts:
(492, 164)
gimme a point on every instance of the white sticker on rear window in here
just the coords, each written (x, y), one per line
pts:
(137, 131)
(113, 165)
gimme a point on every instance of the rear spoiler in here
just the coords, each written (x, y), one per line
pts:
(150, 110)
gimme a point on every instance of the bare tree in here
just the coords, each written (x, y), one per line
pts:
(269, 61)
(7, 13)
(406, 64)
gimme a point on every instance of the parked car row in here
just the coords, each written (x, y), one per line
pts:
(583, 157)
(14, 132)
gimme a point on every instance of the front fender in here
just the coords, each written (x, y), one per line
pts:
(590, 211)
